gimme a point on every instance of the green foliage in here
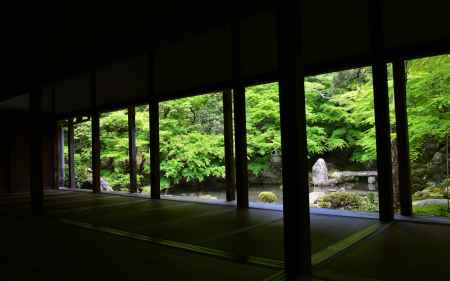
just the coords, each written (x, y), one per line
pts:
(428, 101)
(350, 201)
(341, 200)
(340, 121)
(432, 210)
(370, 202)
(191, 132)
(433, 191)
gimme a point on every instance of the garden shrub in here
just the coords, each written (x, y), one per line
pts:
(432, 210)
(267, 197)
(341, 200)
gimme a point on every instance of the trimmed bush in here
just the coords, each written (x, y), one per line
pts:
(267, 197)
(341, 200)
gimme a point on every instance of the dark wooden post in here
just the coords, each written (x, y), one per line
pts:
(297, 241)
(95, 152)
(95, 127)
(60, 156)
(401, 119)
(55, 143)
(381, 103)
(239, 123)
(9, 156)
(241, 147)
(154, 131)
(36, 176)
(228, 144)
(54, 153)
(71, 151)
(132, 147)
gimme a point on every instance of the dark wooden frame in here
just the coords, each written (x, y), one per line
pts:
(297, 236)
(153, 107)
(71, 153)
(240, 129)
(36, 159)
(401, 119)
(230, 175)
(95, 130)
(132, 148)
(381, 104)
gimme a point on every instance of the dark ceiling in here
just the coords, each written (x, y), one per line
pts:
(41, 44)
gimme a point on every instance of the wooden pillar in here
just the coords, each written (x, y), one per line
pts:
(36, 159)
(132, 147)
(241, 147)
(55, 144)
(71, 153)
(154, 131)
(54, 154)
(228, 144)
(9, 156)
(401, 119)
(240, 140)
(95, 152)
(60, 156)
(95, 127)
(381, 103)
(297, 241)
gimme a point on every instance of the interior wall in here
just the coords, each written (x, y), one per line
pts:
(15, 154)
(4, 159)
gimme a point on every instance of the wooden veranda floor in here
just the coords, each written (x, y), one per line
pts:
(86, 236)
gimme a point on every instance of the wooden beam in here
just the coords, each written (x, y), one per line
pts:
(96, 152)
(95, 130)
(381, 103)
(297, 237)
(54, 154)
(9, 141)
(95, 136)
(60, 156)
(36, 161)
(401, 119)
(71, 153)
(154, 149)
(240, 140)
(132, 148)
(228, 145)
(153, 107)
(55, 143)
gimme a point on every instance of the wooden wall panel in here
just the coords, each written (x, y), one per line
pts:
(4, 162)
(200, 61)
(122, 82)
(73, 94)
(17, 166)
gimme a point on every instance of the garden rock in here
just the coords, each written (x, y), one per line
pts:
(104, 186)
(320, 173)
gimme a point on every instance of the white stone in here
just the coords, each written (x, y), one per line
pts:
(320, 172)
